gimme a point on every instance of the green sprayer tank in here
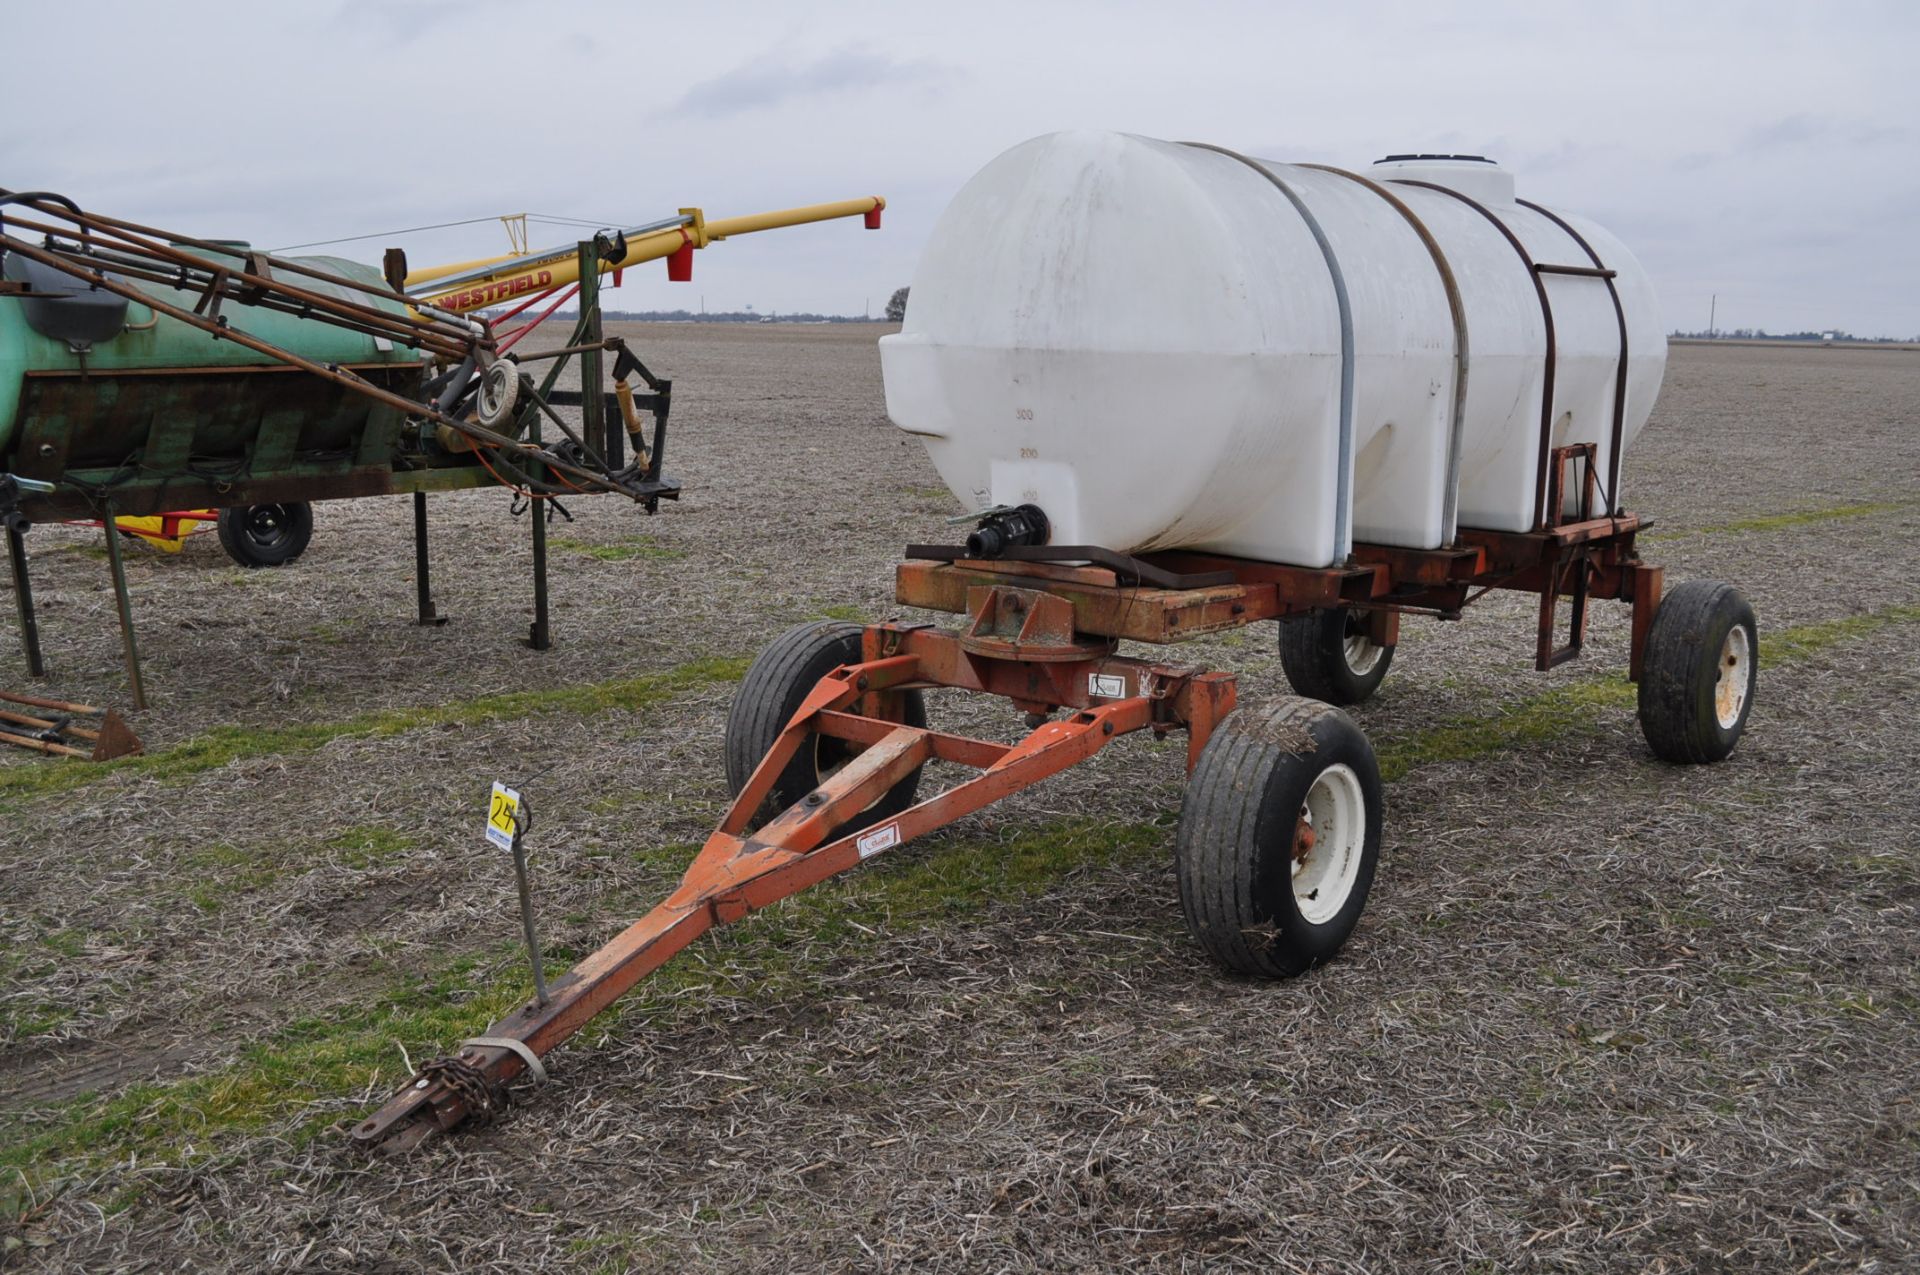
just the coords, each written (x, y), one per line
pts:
(107, 398)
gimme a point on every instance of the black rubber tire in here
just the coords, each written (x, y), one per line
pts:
(266, 535)
(1234, 848)
(769, 696)
(1680, 672)
(1313, 651)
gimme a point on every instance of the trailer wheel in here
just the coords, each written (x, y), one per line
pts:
(772, 692)
(1279, 837)
(1699, 672)
(1328, 656)
(266, 535)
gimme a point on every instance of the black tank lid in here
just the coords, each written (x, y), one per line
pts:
(1471, 159)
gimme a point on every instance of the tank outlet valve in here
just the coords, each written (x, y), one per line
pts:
(1003, 529)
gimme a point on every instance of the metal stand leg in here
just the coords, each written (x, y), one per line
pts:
(23, 603)
(526, 903)
(422, 570)
(537, 635)
(125, 602)
(29, 628)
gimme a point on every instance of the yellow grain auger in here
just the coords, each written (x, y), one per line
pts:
(472, 285)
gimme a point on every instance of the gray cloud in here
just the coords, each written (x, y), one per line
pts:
(1820, 130)
(404, 21)
(769, 81)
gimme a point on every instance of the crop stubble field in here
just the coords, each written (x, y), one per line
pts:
(1601, 1013)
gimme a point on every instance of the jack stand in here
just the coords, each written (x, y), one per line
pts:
(124, 601)
(422, 569)
(537, 637)
(23, 602)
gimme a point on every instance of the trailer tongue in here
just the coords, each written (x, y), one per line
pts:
(1022, 644)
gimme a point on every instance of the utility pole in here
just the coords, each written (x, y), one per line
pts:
(1713, 311)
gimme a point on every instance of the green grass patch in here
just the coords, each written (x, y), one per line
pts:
(1803, 641)
(226, 744)
(1785, 521)
(295, 1081)
(219, 856)
(26, 1011)
(20, 1021)
(1534, 720)
(960, 876)
(851, 614)
(370, 845)
(69, 943)
(98, 553)
(619, 550)
(275, 1083)
(218, 874)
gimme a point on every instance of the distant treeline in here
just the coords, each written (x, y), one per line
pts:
(1761, 334)
(715, 316)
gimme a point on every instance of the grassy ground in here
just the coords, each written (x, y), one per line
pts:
(1601, 1014)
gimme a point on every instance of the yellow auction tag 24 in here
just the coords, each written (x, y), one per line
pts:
(501, 812)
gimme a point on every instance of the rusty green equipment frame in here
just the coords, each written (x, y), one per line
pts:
(420, 436)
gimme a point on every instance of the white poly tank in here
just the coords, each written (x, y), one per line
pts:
(1164, 345)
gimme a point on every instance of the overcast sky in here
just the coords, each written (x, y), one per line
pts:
(1767, 152)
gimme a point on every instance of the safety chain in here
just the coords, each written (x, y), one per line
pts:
(483, 1099)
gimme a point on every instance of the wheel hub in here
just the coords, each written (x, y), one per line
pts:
(1361, 652)
(1328, 844)
(266, 524)
(1735, 675)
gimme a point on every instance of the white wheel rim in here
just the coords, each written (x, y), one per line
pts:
(1362, 655)
(1736, 675)
(1329, 842)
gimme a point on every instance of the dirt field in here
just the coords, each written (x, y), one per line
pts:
(1601, 1014)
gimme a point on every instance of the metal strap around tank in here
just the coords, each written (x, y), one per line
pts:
(1343, 499)
(1606, 275)
(1552, 351)
(1456, 430)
